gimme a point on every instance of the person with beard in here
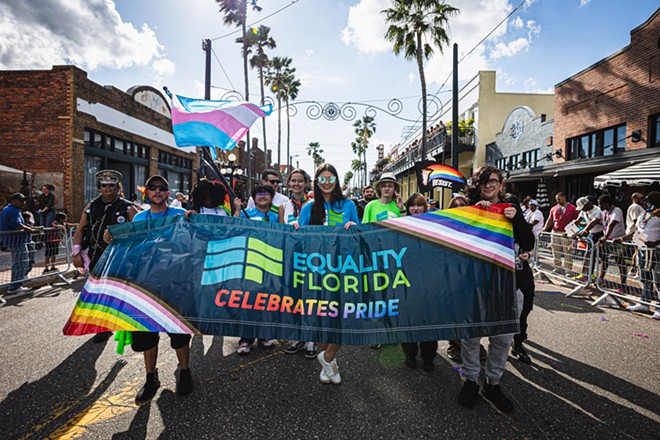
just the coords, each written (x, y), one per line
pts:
(368, 195)
(109, 208)
(157, 193)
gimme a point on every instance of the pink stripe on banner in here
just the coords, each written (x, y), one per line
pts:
(459, 243)
(145, 298)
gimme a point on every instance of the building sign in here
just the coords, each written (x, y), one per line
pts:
(516, 129)
(151, 98)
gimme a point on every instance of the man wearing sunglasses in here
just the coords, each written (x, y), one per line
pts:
(109, 208)
(270, 178)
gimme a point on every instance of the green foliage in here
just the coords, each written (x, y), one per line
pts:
(314, 151)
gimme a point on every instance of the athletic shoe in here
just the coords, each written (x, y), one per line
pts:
(243, 349)
(375, 346)
(184, 382)
(101, 337)
(294, 347)
(643, 308)
(520, 353)
(656, 315)
(267, 342)
(2, 301)
(454, 353)
(324, 377)
(17, 290)
(310, 350)
(148, 391)
(468, 394)
(496, 396)
(411, 362)
(331, 369)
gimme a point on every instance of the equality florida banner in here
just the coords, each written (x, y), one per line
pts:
(441, 275)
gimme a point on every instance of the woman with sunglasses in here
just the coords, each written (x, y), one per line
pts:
(329, 208)
(289, 212)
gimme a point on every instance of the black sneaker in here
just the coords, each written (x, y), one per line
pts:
(294, 347)
(411, 362)
(184, 382)
(468, 394)
(521, 354)
(454, 353)
(496, 396)
(148, 391)
(101, 337)
(311, 351)
(375, 346)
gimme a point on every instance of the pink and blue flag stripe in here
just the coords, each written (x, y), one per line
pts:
(198, 122)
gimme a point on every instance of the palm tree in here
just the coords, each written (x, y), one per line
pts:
(347, 177)
(314, 151)
(257, 41)
(411, 22)
(364, 128)
(276, 79)
(291, 88)
(356, 166)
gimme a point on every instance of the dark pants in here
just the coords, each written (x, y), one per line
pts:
(143, 341)
(427, 349)
(527, 306)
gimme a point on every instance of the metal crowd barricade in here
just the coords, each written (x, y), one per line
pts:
(624, 271)
(570, 260)
(23, 255)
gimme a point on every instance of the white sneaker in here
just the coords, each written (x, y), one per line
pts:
(20, 289)
(267, 342)
(643, 308)
(324, 377)
(244, 348)
(656, 315)
(331, 369)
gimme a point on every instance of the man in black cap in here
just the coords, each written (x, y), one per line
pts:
(16, 238)
(107, 209)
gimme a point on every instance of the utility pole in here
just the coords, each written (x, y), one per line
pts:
(454, 113)
(206, 47)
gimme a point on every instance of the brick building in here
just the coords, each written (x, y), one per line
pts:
(61, 127)
(607, 116)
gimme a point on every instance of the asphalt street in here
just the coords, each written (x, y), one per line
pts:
(595, 375)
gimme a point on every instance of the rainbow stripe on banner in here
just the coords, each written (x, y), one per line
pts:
(485, 234)
(110, 304)
(198, 122)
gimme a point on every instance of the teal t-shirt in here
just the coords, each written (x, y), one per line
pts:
(336, 213)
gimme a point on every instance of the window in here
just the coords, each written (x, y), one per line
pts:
(654, 138)
(501, 163)
(513, 161)
(530, 159)
(92, 166)
(598, 143)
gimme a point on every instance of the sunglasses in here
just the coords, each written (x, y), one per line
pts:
(274, 182)
(158, 187)
(108, 185)
(323, 179)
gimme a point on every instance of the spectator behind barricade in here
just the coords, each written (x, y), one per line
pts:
(53, 241)
(590, 226)
(178, 201)
(46, 211)
(647, 238)
(534, 217)
(271, 178)
(560, 216)
(368, 194)
(16, 238)
(525, 206)
(635, 210)
(612, 228)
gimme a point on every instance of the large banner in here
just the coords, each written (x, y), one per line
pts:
(441, 275)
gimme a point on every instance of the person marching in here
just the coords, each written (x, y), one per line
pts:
(329, 208)
(289, 212)
(109, 208)
(157, 192)
(485, 188)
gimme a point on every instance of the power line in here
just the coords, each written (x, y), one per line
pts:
(223, 69)
(293, 2)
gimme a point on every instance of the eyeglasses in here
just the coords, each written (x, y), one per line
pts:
(323, 179)
(274, 182)
(158, 187)
(108, 185)
(492, 182)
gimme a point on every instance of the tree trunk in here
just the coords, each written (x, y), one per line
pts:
(288, 136)
(422, 78)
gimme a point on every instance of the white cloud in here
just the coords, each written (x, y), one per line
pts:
(411, 77)
(509, 49)
(309, 52)
(366, 27)
(532, 87)
(517, 23)
(88, 33)
(584, 3)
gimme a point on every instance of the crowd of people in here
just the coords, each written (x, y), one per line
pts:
(327, 205)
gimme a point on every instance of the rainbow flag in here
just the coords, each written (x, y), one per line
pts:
(198, 122)
(432, 175)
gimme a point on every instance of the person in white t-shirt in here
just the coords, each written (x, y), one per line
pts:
(634, 212)
(271, 178)
(590, 223)
(613, 228)
(534, 217)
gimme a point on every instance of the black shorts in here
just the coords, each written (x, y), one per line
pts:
(143, 341)
(52, 249)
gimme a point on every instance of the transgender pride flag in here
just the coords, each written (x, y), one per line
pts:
(197, 122)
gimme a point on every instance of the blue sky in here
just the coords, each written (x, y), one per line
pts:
(336, 45)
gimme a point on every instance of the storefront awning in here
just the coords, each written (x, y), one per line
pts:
(641, 174)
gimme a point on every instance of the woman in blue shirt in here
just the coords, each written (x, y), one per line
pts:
(334, 211)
